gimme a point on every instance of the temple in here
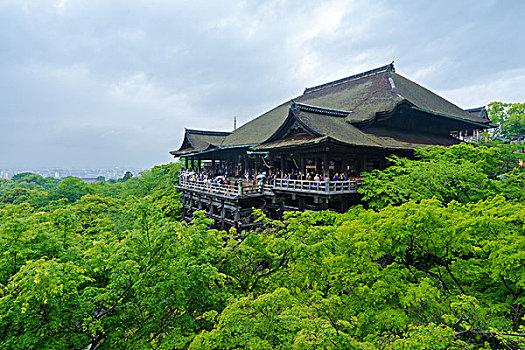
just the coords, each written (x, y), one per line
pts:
(309, 152)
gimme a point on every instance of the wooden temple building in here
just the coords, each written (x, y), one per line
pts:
(341, 128)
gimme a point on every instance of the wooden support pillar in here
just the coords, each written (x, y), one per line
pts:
(183, 205)
(223, 215)
(186, 162)
(302, 168)
(282, 166)
(302, 203)
(210, 208)
(237, 216)
(239, 187)
(199, 165)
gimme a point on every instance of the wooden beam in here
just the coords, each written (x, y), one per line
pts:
(223, 215)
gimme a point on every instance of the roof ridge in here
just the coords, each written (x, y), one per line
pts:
(209, 133)
(319, 110)
(386, 68)
(476, 109)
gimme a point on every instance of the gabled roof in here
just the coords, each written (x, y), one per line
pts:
(361, 97)
(429, 101)
(258, 129)
(330, 125)
(200, 140)
(479, 112)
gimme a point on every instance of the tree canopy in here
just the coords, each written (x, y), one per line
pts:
(509, 116)
(432, 260)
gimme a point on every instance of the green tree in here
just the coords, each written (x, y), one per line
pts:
(276, 320)
(128, 175)
(509, 116)
(462, 173)
(72, 189)
(108, 266)
(43, 307)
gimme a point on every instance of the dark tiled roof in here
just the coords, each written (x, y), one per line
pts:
(363, 97)
(339, 130)
(409, 139)
(479, 112)
(290, 142)
(335, 128)
(319, 110)
(331, 109)
(199, 140)
(388, 67)
(427, 100)
(259, 129)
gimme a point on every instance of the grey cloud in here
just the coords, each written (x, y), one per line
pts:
(116, 82)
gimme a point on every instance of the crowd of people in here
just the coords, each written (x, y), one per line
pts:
(217, 177)
(222, 177)
(311, 176)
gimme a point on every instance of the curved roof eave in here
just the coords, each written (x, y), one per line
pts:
(215, 149)
(452, 117)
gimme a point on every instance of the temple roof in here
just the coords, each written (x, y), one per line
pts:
(479, 112)
(358, 99)
(330, 125)
(199, 140)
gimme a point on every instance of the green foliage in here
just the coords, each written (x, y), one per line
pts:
(463, 173)
(421, 275)
(43, 306)
(158, 183)
(109, 266)
(27, 187)
(72, 189)
(430, 337)
(16, 195)
(277, 320)
(128, 175)
(509, 116)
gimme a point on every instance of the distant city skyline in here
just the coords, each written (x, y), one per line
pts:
(91, 83)
(60, 173)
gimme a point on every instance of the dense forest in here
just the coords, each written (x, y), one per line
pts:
(433, 259)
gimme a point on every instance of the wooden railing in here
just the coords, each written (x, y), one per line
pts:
(321, 187)
(232, 190)
(248, 189)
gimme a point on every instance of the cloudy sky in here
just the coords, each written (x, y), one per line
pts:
(102, 83)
